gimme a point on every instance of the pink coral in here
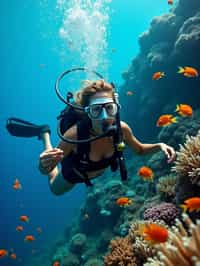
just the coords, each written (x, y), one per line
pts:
(166, 212)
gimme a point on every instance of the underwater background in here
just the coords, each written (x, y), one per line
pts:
(127, 42)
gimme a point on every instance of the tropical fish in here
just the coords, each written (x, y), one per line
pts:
(129, 93)
(146, 173)
(24, 218)
(3, 253)
(56, 263)
(165, 120)
(19, 228)
(189, 72)
(153, 233)
(17, 185)
(29, 238)
(158, 75)
(184, 110)
(124, 201)
(170, 2)
(13, 256)
(191, 204)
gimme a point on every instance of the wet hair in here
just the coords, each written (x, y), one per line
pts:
(83, 96)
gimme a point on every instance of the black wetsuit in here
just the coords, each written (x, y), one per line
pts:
(75, 165)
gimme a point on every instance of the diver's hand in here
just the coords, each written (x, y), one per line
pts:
(169, 152)
(49, 159)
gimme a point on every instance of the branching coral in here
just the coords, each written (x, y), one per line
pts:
(183, 247)
(188, 159)
(122, 253)
(166, 186)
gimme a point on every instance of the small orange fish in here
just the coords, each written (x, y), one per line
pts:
(29, 238)
(158, 75)
(146, 173)
(191, 204)
(165, 120)
(129, 93)
(56, 263)
(19, 228)
(154, 233)
(184, 110)
(123, 201)
(17, 185)
(13, 256)
(170, 2)
(3, 253)
(24, 218)
(189, 72)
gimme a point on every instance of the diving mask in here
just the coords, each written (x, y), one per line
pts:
(101, 108)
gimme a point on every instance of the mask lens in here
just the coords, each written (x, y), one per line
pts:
(111, 109)
(95, 110)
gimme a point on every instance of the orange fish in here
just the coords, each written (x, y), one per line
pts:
(191, 204)
(17, 185)
(3, 253)
(123, 201)
(13, 256)
(24, 218)
(154, 233)
(19, 228)
(189, 72)
(158, 75)
(29, 238)
(129, 93)
(56, 263)
(165, 120)
(170, 2)
(184, 110)
(146, 173)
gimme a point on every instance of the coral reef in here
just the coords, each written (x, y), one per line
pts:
(183, 246)
(78, 243)
(166, 212)
(188, 159)
(163, 47)
(121, 253)
(166, 187)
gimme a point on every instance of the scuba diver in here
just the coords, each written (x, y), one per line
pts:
(90, 145)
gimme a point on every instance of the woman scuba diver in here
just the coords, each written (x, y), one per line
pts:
(81, 161)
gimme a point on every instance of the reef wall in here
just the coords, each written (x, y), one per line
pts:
(172, 40)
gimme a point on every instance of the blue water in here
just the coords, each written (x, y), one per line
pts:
(31, 60)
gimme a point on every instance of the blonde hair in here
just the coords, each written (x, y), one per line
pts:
(82, 97)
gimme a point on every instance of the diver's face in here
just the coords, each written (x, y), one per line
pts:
(102, 111)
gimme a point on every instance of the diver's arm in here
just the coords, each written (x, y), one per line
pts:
(58, 184)
(135, 144)
(144, 148)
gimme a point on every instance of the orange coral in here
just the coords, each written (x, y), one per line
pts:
(121, 253)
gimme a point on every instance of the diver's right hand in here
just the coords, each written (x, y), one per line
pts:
(49, 159)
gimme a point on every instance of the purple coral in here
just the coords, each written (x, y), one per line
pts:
(166, 212)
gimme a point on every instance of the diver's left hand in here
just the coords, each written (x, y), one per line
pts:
(169, 152)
